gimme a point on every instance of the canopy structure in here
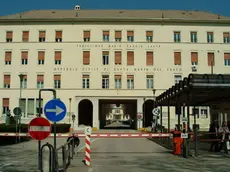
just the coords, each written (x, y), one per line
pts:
(197, 90)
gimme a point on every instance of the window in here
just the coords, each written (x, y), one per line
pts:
(149, 58)
(105, 36)
(25, 36)
(9, 36)
(40, 81)
(42, 36)
(177, 78)
(130, 36)
(195, 111)
(130, 58)
(117, 81)
(30, 107)
(8, 56)
(105, 81)
(86, 57)
(118, 36)
(226, 37)
(204, 112)
(24, 82)
(41, 57)
(177, 58)
(227, 59)
(37, 106)
(85, 81)
(130, 82)
(194, 58)
(117, 57)
(149, 36)
(177, 37)
(149, 82)
(193, 36)
(105, 57)
(58, 37)
(210, 38)
(24, 57)
(86, 36)
(57, 57)
(57, 81)
(6, 81)
(211, 59)
(5, 105)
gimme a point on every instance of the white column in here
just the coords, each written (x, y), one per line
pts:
(140, 102)
(95, 112)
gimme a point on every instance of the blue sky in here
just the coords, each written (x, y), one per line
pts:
(216, 6)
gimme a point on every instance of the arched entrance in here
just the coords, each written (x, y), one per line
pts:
(85, 112)
(147, 113)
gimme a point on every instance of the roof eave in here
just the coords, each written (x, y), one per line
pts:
(219, 21)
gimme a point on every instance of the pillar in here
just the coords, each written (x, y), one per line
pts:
(140, 103)
(96, 121)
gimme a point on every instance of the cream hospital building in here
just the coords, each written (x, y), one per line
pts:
(98, 57)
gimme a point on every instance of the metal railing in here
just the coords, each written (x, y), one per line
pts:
(59, 159)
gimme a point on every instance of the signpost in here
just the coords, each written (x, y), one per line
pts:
(88, 131)
(156, 111)
(55, 111)
(39, 128)
(39, 115)
(17, 112)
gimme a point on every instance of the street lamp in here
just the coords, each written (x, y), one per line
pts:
(21, 76)
(154, 91)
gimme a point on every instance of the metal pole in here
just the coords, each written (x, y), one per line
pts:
(69, 109)
(195, 133)
(161, 120)
(143, 113)
(168, 117)
(39, 142)
(21, 76)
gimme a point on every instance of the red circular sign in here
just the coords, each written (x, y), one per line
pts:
(39, 128)
(139, 116)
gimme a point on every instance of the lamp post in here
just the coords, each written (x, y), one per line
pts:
(70, 99)
(154, 91)
(154, 105)
(21, 76)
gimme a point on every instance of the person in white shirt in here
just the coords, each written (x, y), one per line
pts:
(224, 130)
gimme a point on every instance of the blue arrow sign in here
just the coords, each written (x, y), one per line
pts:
(55, 110)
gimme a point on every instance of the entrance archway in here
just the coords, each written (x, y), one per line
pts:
(85, 112)
(147, 113)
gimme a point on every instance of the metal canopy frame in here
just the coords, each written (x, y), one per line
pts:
(197, 90)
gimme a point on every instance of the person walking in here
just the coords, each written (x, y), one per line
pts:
(214, 135)
(224, 130)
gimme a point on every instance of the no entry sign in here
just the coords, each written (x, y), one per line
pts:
(39, 128)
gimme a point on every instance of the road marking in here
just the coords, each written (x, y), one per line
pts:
(103, 135)
(85, 145)
(40, 128)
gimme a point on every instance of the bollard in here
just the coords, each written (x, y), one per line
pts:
(45, 159)
(87, 150)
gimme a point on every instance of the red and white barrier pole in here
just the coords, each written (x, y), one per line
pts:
(87, 150)
(88, 131)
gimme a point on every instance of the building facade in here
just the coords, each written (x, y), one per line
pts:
(92, 55)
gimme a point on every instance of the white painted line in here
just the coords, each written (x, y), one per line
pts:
(83, 147)
(124, 135)
(135, 135)
(145, 135)
(40, 128)
(103, 135)
(114, 135)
